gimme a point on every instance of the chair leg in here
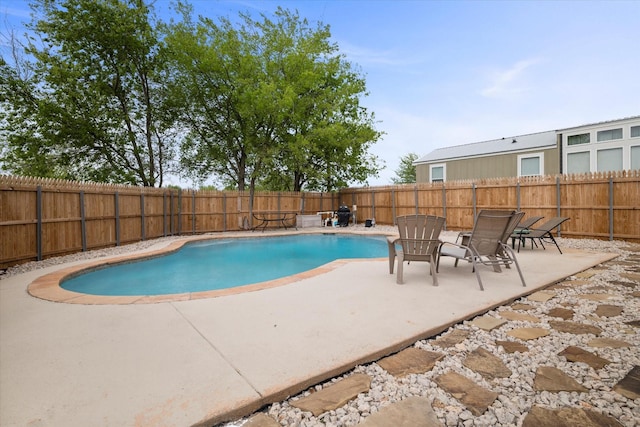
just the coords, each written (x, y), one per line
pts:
(392, 256)
(512, 255)
(554, 242)
(399, 278)
(473, 260)
(432, 269)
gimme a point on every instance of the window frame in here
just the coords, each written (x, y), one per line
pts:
(587, 152)
(587, 134)
(436, 166)
(607, 131)
(539, 155)
(609, 149)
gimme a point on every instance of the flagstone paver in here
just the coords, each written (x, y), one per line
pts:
(528, 333)
(577, 354)
(486, 364)
(629, 386)
(512, 315)
(522, 307)
(487, 323)
(261, 420)
(563, 313)
(553, 379)
(512, 346)
(585, 274)
(634, 323)
(621, 283)
(334, 395)
(608, 342)
(574, 327)
(411, 412)
(608, 310)
(451, 339)
(410, 361)
(567, 417)
(474, 397)
(541, 296)
(596, 297)
(634, 277)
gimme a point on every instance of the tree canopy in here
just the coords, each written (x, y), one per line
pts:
(406, 172)
(90, 109)
(113, 94)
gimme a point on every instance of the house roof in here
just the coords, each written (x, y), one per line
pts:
(606, 122)
(495, 146)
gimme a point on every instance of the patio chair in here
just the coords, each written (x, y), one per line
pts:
(418, 241)
(485, 245)
(544, 232)
(513, 223)
(463, 236)
(523, 228)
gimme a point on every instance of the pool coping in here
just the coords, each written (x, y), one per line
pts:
(47, 287)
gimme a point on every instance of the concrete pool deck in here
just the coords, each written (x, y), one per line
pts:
(204, 361)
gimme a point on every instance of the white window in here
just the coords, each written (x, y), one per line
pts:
(609, 135)
(635, 157)
(583, 138)
(609, 160)
(635, 131)
(437, 173)
(578, 162)
(531, 164)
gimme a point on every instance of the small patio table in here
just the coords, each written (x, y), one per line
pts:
(280, 218)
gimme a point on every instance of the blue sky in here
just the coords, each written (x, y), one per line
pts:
(444, 73)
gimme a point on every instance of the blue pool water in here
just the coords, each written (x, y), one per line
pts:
(228, 263)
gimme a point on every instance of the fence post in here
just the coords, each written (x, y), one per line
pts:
(473, 200)
(117, 209)
(171, 226)
(164, 214)
(179, 212)
(224, 212)
(518, 196)
(83, 223)
(39, 223)
(373, 204)
(278, 203)
(142, 221)
(393, 206)
(611, 208)
(415, 197)
(558, 203)
(193, 212)
(444, 204)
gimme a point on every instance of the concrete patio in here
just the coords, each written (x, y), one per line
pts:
(204, 361)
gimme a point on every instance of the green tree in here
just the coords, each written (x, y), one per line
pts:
(268, 104)
(406, 172)
(92, 109)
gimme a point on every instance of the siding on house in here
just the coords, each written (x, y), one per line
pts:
(492, 159)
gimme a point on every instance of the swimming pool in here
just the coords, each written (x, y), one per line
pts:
(225, 263)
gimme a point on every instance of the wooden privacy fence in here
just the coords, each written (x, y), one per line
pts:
(41, 218)
(601, 206)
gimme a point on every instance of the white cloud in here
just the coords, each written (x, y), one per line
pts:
(506, 83)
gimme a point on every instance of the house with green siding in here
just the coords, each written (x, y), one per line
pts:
(606, 146)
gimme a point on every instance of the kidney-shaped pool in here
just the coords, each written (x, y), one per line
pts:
(225, 263)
